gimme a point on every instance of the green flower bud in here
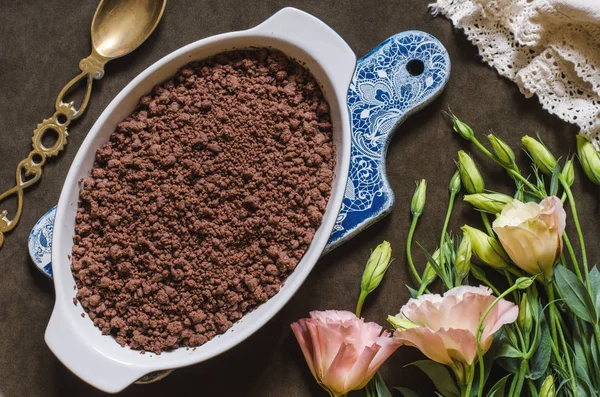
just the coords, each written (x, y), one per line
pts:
(503, 152)
(401, 323)
(463, 259)
(461, 128)
(455, 183)
(548, 389)
(377, 265)
(418, 201)
(524, 282)
(589, 159)
(478, 273)
(568, 173)
(540, 154)
(429, 273)
(469, 174)
(487, 249)
(524, 319)
(488, 202)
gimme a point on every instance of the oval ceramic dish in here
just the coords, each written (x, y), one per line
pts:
(397, 78)
(74, 339)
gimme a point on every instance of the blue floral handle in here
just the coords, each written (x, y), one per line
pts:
(399, 77)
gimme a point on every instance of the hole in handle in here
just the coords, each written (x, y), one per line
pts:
(415, 67)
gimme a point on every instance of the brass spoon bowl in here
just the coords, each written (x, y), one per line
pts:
(118, 27)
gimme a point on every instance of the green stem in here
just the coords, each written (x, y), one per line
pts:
(485, 151)
(469, 381)
(531, 187)
(520, 378)
(550, 292)
(361, 300)
(480, 330)
(486, 223)
(422, 288)
(490, 285)
(511, 282)
(563, 342)
(573, 206)
(532, 390)
(573, 256)
(446, 222)
(411, 264)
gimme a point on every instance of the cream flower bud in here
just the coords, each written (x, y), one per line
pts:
(503, 152)
(418, 201)
(531, 234)
(463, 259)
(461, 128)
(589, 159)
(568, 173)
(548, 389)
(429, 273)
(488, 202)
(540, 154)
(377, 265)
(524, 319)
(487, 248)
(455, 183)
(469, 174)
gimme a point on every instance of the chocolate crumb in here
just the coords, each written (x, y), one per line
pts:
(203, 201)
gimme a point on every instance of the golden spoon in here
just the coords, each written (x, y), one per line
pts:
(118, 27)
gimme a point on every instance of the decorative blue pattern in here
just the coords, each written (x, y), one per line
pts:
(40, 242)
(399, 77)
(381, 95)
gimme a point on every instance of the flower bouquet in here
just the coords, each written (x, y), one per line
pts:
(521, 304)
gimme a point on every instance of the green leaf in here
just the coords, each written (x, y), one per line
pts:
(595, 288)
(406, 392)
(440, 376)
(540, 362)
(575, 295)
(508, 350)
(413, 292)
(498, 389)
(554, 181)
(380, 386)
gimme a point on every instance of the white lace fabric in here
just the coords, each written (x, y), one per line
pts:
(550, 48)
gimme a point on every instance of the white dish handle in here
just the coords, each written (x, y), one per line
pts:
(84, 360)
(326, 46)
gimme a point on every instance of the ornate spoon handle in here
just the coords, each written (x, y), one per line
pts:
(29, 170)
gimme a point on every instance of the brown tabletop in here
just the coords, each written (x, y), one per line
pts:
(41, 42)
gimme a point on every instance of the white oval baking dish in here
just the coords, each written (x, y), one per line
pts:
(78, 344)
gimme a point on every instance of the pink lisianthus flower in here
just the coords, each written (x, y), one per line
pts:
(342, 351)
(444, 328)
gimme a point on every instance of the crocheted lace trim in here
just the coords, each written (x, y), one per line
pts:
(544, 51)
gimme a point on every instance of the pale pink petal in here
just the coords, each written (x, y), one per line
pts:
(553, 214)
(369, 333)
(459, 292)
(388, 347)
(333, 316)
(427, 341)
(504, 312)
(319, 345)
(336, 373)
(460, 344)
(304, 340)
(467, 313)
(425, 313)
(359, 375)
